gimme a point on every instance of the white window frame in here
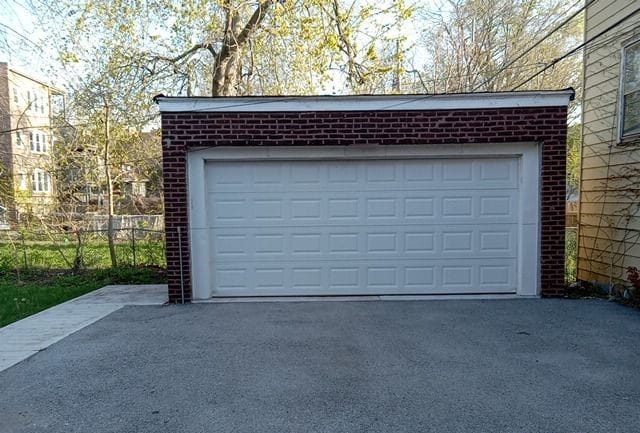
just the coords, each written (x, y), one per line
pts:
(38, 142)
(622, 93)
(40, 181)
(46, 180)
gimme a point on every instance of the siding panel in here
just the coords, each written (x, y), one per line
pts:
(605, 250)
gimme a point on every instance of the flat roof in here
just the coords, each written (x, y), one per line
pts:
(447, 101)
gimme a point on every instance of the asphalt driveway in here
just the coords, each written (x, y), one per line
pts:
(445, 366)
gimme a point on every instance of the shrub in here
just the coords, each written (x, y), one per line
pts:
(633, 275)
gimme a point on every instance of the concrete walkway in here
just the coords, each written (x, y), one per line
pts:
(28, 336)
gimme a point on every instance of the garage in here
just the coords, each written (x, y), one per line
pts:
(304, 197)
(403, 226)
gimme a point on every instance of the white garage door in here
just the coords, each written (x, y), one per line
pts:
(337, 227)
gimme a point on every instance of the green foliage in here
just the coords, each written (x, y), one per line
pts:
(301, 47)
(178, 47)
(574, 148)
(571, 255)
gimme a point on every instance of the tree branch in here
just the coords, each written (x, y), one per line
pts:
(254, 22)
(232, 44)
(205, 45)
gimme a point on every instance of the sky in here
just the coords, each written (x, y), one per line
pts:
(20, 34)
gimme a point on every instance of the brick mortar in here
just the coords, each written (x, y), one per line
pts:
(545, 125)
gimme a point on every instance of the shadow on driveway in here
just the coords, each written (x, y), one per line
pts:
(445, 366)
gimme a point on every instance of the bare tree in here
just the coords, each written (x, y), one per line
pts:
(471, 45)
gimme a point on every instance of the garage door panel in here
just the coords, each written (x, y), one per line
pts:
(369, 207)
(363, 226)
(318, 176)
(365, 276)
(391, 242)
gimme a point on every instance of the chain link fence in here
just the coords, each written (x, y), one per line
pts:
(81, 249)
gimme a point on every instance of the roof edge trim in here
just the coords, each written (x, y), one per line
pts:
(453, 101)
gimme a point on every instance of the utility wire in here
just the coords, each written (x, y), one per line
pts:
(574, 50)
(528, 50)
(22, 36)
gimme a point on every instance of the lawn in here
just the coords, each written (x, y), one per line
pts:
(35, 275)
(38, 272)
(62, 254)
(29, 291)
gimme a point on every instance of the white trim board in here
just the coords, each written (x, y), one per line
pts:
(527, 153)
(362, 298)
(460, 101)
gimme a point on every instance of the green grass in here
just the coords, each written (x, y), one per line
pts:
(27, 292)
(94, 254)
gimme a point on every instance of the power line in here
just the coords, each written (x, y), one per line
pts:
(576, 49)
(439, 79)
(528, 50)
(25, 38)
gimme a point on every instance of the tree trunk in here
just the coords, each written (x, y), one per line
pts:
(223, 73)
(107, 172)
(225, 67)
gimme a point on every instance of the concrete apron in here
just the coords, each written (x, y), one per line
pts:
(21, 339)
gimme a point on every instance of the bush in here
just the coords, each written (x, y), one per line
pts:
(571, 255)
(633, 275)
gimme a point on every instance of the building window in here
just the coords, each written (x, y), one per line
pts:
(39, 142)
(40, 181)
(28, 100)
(19, 139)
(15, 95)
(630, 84)
(41, 104)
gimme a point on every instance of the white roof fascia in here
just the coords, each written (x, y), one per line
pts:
(467, 101)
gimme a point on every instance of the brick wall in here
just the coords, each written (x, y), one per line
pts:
(546, 125)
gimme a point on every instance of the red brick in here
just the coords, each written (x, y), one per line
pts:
(545, 125)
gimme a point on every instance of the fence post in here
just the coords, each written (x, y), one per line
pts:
(24, 250)
(133, 244)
